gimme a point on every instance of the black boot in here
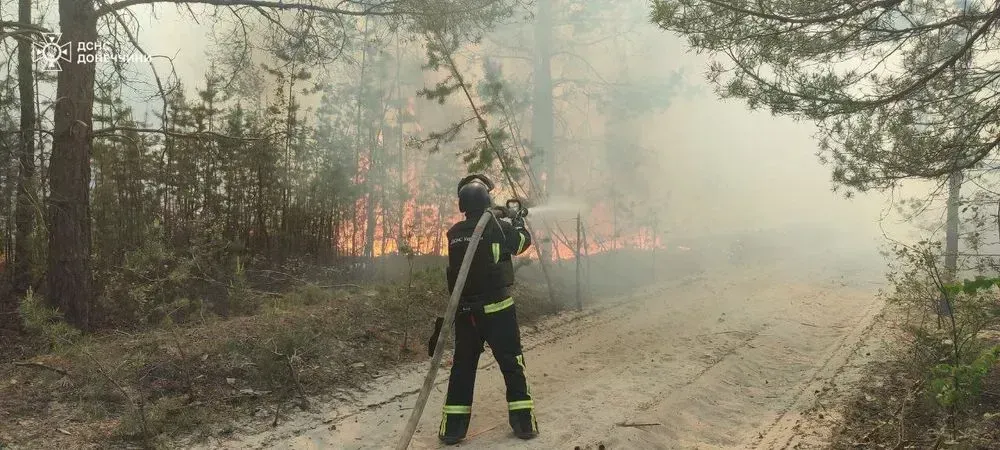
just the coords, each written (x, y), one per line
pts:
(524, 424)
(453, 428)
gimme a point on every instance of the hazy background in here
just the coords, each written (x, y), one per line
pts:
(727, 169)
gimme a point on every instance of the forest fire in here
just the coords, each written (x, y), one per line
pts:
(419, 228)
(601, 230)
(564, 245)
(422, 227)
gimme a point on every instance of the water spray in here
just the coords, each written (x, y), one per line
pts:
(559, 206)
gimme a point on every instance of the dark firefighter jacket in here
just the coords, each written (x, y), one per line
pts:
(492, 271)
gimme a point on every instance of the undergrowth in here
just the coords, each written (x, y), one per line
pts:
(941, 389)
(212, 376)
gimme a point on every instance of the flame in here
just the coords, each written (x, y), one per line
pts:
(597, 235)
(423, 224)
(421, 231)
(420, 222)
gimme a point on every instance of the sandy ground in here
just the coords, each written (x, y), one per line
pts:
(701, 363)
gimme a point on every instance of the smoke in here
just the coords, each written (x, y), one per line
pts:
(644, 151)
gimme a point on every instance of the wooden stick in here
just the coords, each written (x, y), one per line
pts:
(449, 320)
(637, 425)
(298, 385)
(477, 433)
(138, 403)
(41, 366)
(586, 252)
(579, 300)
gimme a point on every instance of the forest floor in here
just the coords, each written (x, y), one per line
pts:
(745, 359)
(792, 352)
(211, 378)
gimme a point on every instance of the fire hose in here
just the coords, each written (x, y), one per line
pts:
(513, 209)
(449, 317)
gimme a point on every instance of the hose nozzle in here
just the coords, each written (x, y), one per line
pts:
(516, 209)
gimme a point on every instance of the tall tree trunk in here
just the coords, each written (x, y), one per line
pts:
(375, 179)
(542, 131)
(401, 161)
(357, 138)
(614, 219)
(951, 226)
(438, 231)
(25, 214)
(69, 272)
(371, 205)
(385, 228)
(951, 238)
(955, 186)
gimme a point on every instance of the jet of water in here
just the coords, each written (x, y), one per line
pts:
(560, 207)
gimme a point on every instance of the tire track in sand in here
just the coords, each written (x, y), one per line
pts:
(784, 429)
(718, 363)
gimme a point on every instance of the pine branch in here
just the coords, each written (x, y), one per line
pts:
(853, 11)
(104, 132)
(38, 365)
(483, 128)
(373, 10)
(135, 43)
(21, 30)
(33, 130)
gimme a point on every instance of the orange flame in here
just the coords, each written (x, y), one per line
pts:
(421, 221)
(597, 235)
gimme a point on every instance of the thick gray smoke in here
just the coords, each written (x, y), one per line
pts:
(694, 172)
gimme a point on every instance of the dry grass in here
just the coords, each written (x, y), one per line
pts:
(892, 408)
(128, 390)
(208, 378)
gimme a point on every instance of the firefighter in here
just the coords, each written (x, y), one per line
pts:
(486, 313)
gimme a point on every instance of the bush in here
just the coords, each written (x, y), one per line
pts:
(946, 322)
(46, 323)
(151, 283)
(971, 306)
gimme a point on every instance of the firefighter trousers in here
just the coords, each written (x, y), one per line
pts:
(494, 324)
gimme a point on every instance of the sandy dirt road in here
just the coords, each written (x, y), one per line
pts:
(699, 363)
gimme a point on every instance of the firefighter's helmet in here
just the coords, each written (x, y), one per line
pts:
(474, 193)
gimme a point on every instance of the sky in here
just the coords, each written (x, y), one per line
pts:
(173, 34)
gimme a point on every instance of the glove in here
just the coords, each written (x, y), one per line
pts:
(517, 221)
(438, 323)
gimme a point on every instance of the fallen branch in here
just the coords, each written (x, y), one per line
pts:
(304, 404)
(336, 286)
(637, 425)
(298, 384)
(477, 433)
(112, 131)
(41, 366)
(277, 413)
(721, 332)
(136, 402)
(185, 369)
(898, 412)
